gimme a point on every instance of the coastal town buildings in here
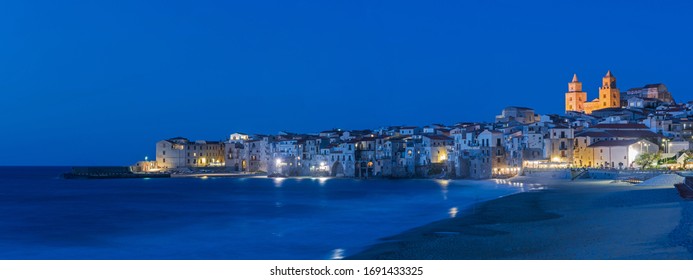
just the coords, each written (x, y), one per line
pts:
(610, 131)
(589, 138)
(522, 115)
(181, 152)
(653, 92)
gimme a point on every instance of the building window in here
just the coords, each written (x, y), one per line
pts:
(164, 160)
(164, 152)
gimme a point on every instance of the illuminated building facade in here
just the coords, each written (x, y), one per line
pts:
(575, 98)
(620, 154)
(609, 96)
(181, 152)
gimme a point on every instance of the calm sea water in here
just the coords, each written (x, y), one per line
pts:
(45, 217)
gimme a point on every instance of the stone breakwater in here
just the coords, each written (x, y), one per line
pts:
(109, 172)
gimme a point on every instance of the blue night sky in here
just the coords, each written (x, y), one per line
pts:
(90, 82)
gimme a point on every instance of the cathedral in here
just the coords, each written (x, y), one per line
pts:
(609, 96)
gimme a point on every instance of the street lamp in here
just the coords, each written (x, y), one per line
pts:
(666, 142)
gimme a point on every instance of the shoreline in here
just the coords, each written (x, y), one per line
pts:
(200, 175)
(585, 219)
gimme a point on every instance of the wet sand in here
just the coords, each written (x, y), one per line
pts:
(588, 219)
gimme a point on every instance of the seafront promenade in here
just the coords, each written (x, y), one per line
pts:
(630, 175)
(585, 219)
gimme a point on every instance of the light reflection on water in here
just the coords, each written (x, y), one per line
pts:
(337, 254)
(521, 185)
(443, 182)
(322, 181)
(278, 181)
(443, 187)
(453, 212)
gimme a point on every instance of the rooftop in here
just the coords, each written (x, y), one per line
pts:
(620, 126)
(614, 143)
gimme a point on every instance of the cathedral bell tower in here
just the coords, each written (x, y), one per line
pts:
(575, 97)
(609, 95)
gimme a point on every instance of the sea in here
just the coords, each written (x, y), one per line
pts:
(43, 216)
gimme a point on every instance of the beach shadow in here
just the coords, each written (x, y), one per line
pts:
(645, 197)
(520, 208)
(681, 234)
(445, 239)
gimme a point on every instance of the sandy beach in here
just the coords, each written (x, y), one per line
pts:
(585, 219)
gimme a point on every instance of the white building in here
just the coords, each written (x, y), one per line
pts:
(435, 148)
(620, 153)
(238, 137)
(409, 130)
